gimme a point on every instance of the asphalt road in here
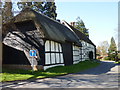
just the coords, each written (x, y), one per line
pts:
(104, 76)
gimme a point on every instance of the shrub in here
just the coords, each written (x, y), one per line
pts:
(119, 55)
(107, 58)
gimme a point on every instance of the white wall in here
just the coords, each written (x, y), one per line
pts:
(46, 67)
(76, 54)
(86, 48)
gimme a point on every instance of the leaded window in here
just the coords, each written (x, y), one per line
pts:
(53, 53)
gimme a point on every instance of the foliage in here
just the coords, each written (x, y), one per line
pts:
(7, 11)
(118, 62)
(107, 58)
(0, 8)
(50, 10)
(119, 55)
(113, 46)
(47, 8)
(37, 6)
(102, 49)
(11, 75)
(81, 26)
(112, 49)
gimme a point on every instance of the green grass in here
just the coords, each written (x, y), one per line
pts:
(12, 75)
(118, 62)
(73, 68)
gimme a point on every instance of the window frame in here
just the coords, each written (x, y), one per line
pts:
(55, 44)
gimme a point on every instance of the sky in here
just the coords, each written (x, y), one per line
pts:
(101, 18)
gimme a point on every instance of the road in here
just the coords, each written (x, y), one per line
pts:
(104, 76)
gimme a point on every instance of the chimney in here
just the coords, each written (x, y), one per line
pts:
(58, 20)
(72, 24)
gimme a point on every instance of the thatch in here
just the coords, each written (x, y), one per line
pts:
(80, 35)
(51, 29)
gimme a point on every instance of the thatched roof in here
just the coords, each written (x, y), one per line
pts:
(51, 29)
(80, 34)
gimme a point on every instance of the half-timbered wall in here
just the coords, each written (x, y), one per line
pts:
(76, 54)
(53, 53)
(86, 48)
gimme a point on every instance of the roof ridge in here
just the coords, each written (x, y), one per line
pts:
(80, 32)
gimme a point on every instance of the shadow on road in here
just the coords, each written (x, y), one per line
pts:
(96, 76)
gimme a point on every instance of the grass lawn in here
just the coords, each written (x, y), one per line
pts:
(118, 62)
(11, 75)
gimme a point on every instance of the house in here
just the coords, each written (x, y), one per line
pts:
(29, 30)
(88, 50)
(55, 43)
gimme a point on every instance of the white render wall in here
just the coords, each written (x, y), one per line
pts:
(86, 48)
(76, 54)
(53, 53)
(46, 67)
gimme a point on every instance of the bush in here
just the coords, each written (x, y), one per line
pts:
(107, 58)
(112, 56)
(119, 55)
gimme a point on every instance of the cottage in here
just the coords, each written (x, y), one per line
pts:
(88, 50)
(55, 43)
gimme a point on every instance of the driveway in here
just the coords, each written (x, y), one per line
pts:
(103, 76)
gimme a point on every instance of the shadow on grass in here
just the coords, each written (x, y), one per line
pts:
(54, 71)
(72, 79)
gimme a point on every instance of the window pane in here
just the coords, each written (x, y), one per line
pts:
(47, 58)
(60, 48)
(47, 46)
(53, 58)
(57, 58)
(52, 46)
(61, 56)
(57, 50)
(73, 47)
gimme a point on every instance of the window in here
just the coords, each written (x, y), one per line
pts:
(53, 53)
(47, 56)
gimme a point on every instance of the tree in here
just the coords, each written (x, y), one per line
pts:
(113, 46)
(7, 11)
(37, 6)
(102, 49)
(47, 8)
(50, 10)
(0, 8)
(112, 49)
(0, 22)
(98, 50)
(81, 26)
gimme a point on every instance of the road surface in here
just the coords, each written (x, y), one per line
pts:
(104, 76)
